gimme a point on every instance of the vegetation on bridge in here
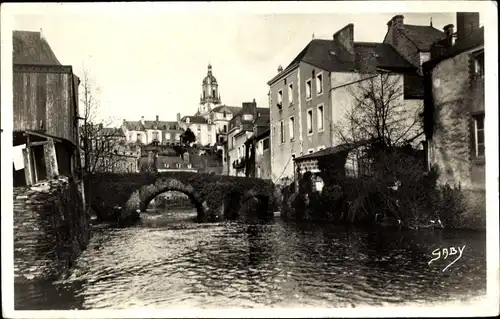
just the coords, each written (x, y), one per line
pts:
(111, 192)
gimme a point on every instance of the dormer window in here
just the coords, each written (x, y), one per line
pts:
(178, 165)
(187, 120)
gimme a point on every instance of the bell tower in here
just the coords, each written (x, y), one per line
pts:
(210, 96)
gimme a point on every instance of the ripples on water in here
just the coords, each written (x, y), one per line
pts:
(169, 261)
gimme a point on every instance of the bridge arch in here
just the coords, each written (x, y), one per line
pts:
(141, 198)
(237, 200)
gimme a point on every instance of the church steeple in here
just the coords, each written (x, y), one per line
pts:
(210, 95)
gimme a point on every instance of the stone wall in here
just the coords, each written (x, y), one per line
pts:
(51, 228)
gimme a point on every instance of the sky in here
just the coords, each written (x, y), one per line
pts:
(152, 63)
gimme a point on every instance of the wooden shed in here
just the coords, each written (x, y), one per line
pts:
(45, 112)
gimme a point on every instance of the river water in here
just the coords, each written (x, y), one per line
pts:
(170, 261)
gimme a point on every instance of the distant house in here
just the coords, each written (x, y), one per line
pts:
(45, 135)
(241, 128)
(259, 154)
(148, 132)
(454, 108)
(413, 42)
(204, 129)
(108, 151)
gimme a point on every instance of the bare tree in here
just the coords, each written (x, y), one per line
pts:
(379, 113)
(100, 142)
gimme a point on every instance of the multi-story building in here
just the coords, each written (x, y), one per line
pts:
(455, 111)
(147, 132)
(203, 129)
(241, 128)
(312, 93)
(45, 111)
(211, 108)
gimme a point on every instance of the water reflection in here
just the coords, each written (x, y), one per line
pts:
(169, 261)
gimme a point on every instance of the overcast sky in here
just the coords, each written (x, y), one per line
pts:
(149, 63)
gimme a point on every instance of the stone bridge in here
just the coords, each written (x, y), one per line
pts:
(124, 196)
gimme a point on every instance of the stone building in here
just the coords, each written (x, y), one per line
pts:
(311, 94)
(241, 128)
(454, 108)
(45, 111)
(147, 132)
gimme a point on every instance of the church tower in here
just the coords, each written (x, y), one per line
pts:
(210, 96)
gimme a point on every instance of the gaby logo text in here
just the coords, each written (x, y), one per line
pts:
(447, 252)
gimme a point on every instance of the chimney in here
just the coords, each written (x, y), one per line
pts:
(142, 120)
(467, 22)
(178, 117)
(157, 118)
(448, 31)
(345, 37)
(280, 68)
(396, 24)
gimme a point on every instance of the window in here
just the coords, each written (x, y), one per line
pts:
(479, 134)
(139, 137)
(178, 165)
(213, 93)
(280, 98)
(225, 127)
(290, 94)
(320, 118)
(308, 89)
(204, 95)
(167, 136)
(310, 151)
(265, 144)
(282, 132)
(292, 128)
(199, 127)
(155, 135)
(309, 121)
(479, 65)
(177, 137)
(319, 84)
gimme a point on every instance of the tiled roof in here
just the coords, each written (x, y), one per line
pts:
(328, 55)
(31, 48)
(371, 55)
(112, 131)
(423, 36)
(149, 125)
(262, 120)
(195, 119)
(261, 135)
(232, 109)
(333, 150)
(163, 125)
